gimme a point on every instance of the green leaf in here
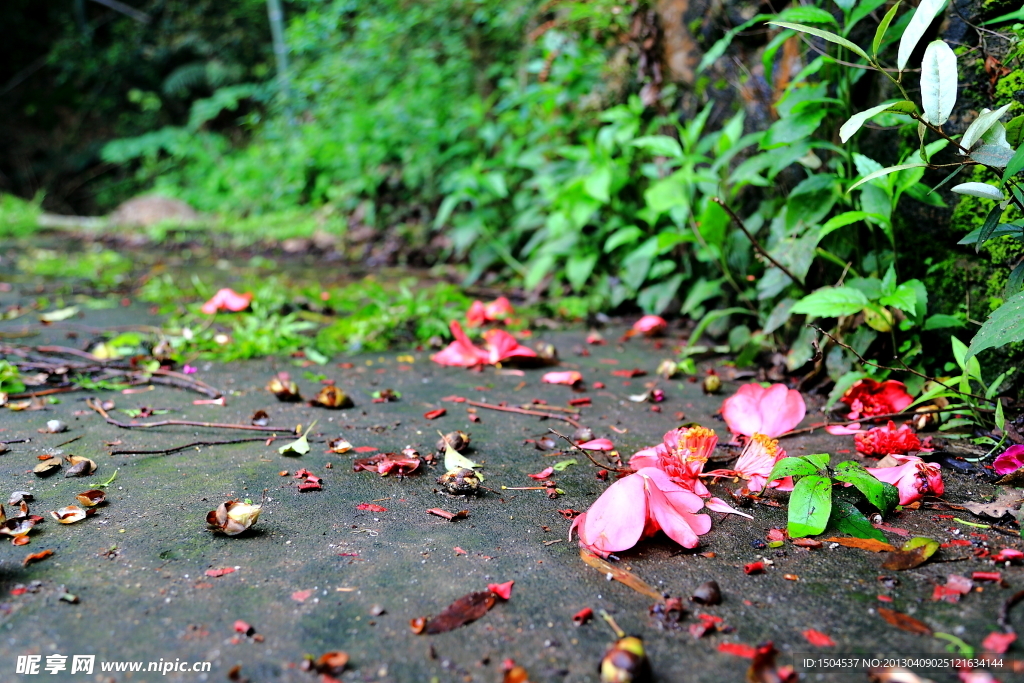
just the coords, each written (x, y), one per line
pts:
(827, 35)
(854, 123)
(578, 268)
(983, 190)
(660, 145)
(1015, 131)
(1015, 281)
(919, 23)
(930, 546)
(59, 314)
(625, 235)
(841, 221)
(810, 506)
(999, 231)
(562, 464)
(454, 461)
(598, 184)
(904, 298)
(806, 13)
(980, 126)
(882, 172)
(792, 467)
(938, 82)
(883, 26)
(883, 496)
(832, 302)
(1017, 15)
(1015, 166)
(989, 226)
(1005, 325)
(941, 321)
(994, 156)
(819, 460)
(298, 447)
(847, 519)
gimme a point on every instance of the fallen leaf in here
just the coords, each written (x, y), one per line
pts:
(913, 553)
(371, 507)
(904, 622)
(871, 544)
(619, 574)
(36, 557)
(561, 465)
(220, 572)
(1007, 503)
(465, 610)
(298, 447)
(818, 639)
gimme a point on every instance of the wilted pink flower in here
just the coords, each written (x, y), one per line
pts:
(638, 506)
(503, 346)
(597, 445)
(227, 300)
(913, 477)
(568, 377)
(868, 397)
(461, 352)
(1011, 460)
(754, 409)
(755, 464)
(681, 455)
(879, 441)
(480, 313)
(650, 325)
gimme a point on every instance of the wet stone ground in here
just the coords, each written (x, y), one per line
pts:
(317, 574)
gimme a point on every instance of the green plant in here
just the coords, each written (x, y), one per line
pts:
(819, 500)
(10, 379)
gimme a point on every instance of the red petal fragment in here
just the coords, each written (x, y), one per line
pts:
(582, 401)
(364, 449)
(460, 551)
(454, 399)
(777, 535)
(220, 572)
(466, 609)
(807, 543)
(754, 568)
(738, 649)
(502, 590)
(818, 639)
(567, 377)
(36, 557)
(597, 445)
(583, 616)
(310, 486)
(997, 642)
(301, 596)
(987, 576)
(243, 627)
(434, 414)
(543, 474)
(635, 372)
(371, 507)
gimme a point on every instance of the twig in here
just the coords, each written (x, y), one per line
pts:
(912, 371)
(166, 451)
(520, 411)
(872, 418)
(571, 411)
(1004, 611)
(756, 244)
(182, 423)
(586, 452)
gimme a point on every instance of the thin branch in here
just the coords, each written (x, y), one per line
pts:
(520, 411)
(756, 244)
(927, 378)
(182, 423)
(586, 452)
(166, 451)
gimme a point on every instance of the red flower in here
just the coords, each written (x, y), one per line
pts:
(868, 397)
(480, 313)
(227, 300)
(462, 353)
(503, 346)
(879, 441)
(650, 325)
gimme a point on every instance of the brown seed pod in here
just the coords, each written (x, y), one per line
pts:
(459, 441)
(92, 498)
(332, 397)
(79, 466)
(626, 662)
(284, 388)
(233, 517)
(463, 482)
(708, 593)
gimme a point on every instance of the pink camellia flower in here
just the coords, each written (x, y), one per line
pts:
(912, 476)
(227, 300)
(880, 441)
(480, 313)
(503, 346)
(597, 445)
(754, 409)
(650, 325)
(638, 506)
(568, 377)
(1011, 460)
(868, 397)
(755, 464)
(681, 455)
(461, 352)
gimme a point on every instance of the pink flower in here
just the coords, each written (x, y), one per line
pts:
(845, 430)
(1011, 460)
(754, 409)
(597, 445)
(868, 397)
(913, 477)
(189, 370)
(879, 441)
(681, 455)
(461, 352)
(638, 506)
(755, 464)
(569, 377)
(503, 346)
(227, 300)
(650, 325)
(479, 313)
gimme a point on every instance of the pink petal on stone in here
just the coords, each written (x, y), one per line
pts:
(755, 409)
(227, 300)
(568, 377)
(844, 430)
(617, 519)
(650, 325)
(597, 445)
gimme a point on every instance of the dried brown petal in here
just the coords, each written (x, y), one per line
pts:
(69, 514)
(283, 388)
(466, 609)
(332, 397)
(92, 498)
(46, 468)
(79, 466)
(708, 593)
(331, 663)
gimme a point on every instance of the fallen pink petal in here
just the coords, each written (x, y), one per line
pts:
(755, 464)
(1010, 460)
(912, 476)
(650, 325)
(597, 445)
(227, 300)
(569, 377)
(543, 474)
(771, 411)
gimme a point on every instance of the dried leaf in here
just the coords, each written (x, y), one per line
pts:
(79, 466)
(871, 544)
(463, 611)
(621, 575)
(92, 498)
(46, 468)
(913, 553)
(36, 557)
(904, 622)
(69, 514)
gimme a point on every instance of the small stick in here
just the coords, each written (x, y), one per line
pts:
(571, 411)
(523, 488)
(15, 441)
(619, 633)
(872, 418)
(166, 451)
(182, 423)
(69, 441)
(43, 392)
(756, 244)
(520, 411)
(586, 452)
